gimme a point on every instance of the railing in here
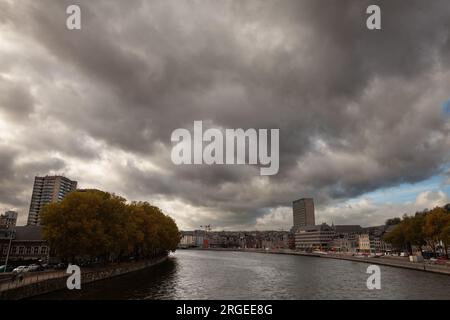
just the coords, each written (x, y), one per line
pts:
(12, 281)
(24, 279)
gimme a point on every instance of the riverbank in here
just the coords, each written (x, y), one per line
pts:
(39, 283)
(396, 262)
(214, 275)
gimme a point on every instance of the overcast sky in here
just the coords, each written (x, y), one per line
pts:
(361, 113)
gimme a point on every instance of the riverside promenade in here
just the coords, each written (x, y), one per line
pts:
(32, 284)
(391, 261)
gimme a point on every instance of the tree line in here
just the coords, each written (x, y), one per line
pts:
(429, 228)
(96, 225)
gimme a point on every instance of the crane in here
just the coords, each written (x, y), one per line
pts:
(207, 229)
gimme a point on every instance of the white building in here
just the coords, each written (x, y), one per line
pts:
(188, 239)
(314, 237)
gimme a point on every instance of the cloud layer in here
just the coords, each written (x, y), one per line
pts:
(358, 110)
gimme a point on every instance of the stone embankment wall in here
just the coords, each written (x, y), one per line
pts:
(38, 283)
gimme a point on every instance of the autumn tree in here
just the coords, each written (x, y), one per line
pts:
(397, 237)
(95, 224)
(424, 228)
(436, 228)
(159, 232)
(393, 221)
(408, 233)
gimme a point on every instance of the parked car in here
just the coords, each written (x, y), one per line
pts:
(51, 266)
(34, 267)
(21, 269)
(61, 266)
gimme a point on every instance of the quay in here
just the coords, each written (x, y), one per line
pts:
(397, 262)
(37, 283)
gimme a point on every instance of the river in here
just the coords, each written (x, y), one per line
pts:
(193, 274)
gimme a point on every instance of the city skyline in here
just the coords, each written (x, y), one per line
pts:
(99, 104)
(53, 188)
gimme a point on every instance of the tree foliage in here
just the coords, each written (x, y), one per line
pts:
(424, 228)
(393, 221)
(436, 223)
(95, 224)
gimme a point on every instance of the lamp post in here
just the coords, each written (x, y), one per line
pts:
(9, 249)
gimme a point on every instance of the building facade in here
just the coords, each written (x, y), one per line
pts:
(187, 239)
(364, 244)
(25, 244)
(346, 238)
(49, 189)
(8, 220)
(235, 239)
(318, 237)
(303, 212)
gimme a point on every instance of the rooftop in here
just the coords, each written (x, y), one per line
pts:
(319, 227)
(347, 228)
(29, 233)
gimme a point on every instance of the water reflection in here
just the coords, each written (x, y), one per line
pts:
(238, 275)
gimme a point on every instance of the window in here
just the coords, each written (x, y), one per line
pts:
(21, 249)
(28, 250)
(35, 250)
(5, 250)
(43, 250)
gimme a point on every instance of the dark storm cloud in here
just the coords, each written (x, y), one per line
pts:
(357, 110)
(16, 177)
(15, 100)
(9, 187)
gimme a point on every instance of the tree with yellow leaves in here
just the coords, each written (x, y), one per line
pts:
(94, 224)
(436, 228)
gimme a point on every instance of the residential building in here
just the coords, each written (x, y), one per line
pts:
(47, 190)
(8, 220)
(187, 239)
(26, 244)
(314, 237)
(364, 244)
(376, 235)
(346, 238)
(236, 239)
(6, 234)
(199, 237)
(303, 213)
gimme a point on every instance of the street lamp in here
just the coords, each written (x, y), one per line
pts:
(9, 249)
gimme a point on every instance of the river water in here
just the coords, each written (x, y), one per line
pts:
(191, 274)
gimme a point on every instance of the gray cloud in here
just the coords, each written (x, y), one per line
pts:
(16, 101)
(357, 110)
